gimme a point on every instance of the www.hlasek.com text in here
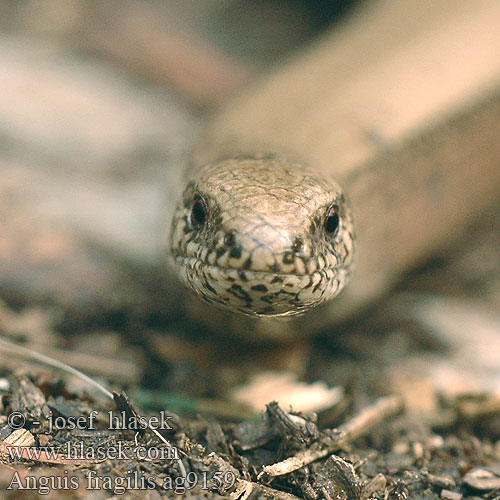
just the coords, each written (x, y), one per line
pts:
(78, 451)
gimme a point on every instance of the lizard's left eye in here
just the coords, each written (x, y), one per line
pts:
(332, 220)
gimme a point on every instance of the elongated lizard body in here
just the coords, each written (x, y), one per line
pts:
(401, 106)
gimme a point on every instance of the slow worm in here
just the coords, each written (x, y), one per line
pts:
(348, 165)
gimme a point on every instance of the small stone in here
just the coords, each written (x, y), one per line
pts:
(445, 482)
(482, 479)
(435, 442)
(418, 450)
(451, 495)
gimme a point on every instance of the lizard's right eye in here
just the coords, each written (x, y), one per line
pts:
(198, 212)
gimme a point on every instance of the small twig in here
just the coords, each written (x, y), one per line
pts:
(9, 346)
(126, 372)
(248, 489)
(371, 416)
(359, 425)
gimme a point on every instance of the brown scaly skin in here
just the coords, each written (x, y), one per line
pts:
(266, 250)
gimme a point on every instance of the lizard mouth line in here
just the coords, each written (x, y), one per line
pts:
(193, 261)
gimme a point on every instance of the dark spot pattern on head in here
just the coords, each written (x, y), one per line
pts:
(220, 252)
(229, 239)
(298, 245)
(238, 292)
(263, 239)
(235, 252)
(288, 258)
